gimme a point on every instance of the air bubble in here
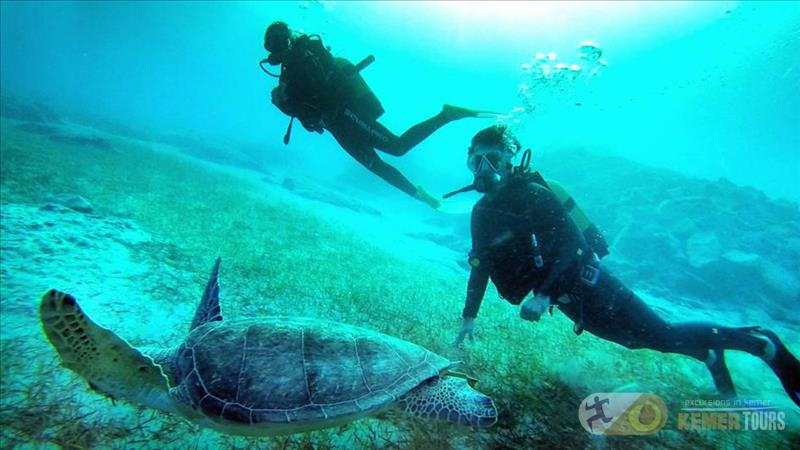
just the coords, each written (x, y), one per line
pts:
(590, 51)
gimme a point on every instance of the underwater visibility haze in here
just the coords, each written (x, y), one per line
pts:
(141, 141)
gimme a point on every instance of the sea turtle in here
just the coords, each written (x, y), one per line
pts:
(266, 376)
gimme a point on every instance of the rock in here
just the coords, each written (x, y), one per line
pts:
(130, 235)
(683, 228)
(39, 128)
(734, 275)
(72, 201)
(54, 207)
(57, 134)
(335, 199)
(289, 183)
(781, 280)
(793, 245)
(702, 248)
(743, 258)
(84, 141)
(19, 109)
(446, 240)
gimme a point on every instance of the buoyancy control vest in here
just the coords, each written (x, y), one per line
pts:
(591, 233)
(315, 85)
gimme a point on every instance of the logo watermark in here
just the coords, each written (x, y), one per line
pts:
(612, 413)
(736, 414)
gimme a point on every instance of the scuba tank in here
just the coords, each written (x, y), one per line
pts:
(355, 91)
(354, 86)
(345, 76)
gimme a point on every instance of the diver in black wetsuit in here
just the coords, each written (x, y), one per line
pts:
(526, 241)
(327, 93)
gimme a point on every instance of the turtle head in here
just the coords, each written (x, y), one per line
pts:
(109, 364)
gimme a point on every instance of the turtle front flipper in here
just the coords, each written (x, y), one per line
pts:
(208, 310)
(451, 399)
(110, 365)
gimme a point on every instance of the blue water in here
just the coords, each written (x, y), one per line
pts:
(705, 88)
(675, 125)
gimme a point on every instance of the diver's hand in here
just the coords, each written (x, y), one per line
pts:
(467, 327)
(533, 308)
(279, 94)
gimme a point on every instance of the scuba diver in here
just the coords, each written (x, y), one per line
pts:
(526, 240)
(328, 93)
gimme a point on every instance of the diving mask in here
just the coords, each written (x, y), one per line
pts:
(489, 165)
(494, 159)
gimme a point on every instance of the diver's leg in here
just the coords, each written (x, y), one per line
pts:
(785, 365)
(362, 152)
(357, 141)
(398, 180)
(366, 155)
(608, 312)
(693, 338)
(392, 176)
(399, 146)
(614, 312)
(383, 139)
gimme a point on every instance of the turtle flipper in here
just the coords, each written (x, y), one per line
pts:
(110, 365)
(208, 310)
(452, 399)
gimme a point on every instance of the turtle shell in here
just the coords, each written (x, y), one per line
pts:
(293, 371)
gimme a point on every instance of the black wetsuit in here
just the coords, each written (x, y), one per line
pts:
(502, 224)
(325, 93)
(360, 136)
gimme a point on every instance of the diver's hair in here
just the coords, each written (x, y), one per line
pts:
(498, 134)
(277, 37)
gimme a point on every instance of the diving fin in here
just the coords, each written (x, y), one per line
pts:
(453, 112)
(488, 114)
(423, 196)
(785, 365)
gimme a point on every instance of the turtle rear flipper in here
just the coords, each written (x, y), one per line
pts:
(110, 365)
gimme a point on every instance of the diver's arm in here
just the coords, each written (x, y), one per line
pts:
(479, 272)
(478, 279)
(570, 241)
(476, 288)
